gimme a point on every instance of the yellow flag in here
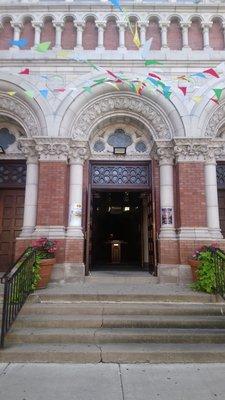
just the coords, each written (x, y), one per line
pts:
(11, 93)
(197, 99)
(136, 39)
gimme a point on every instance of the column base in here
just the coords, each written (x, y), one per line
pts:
(75, 232)
(167, 233)
(179, 274)
(68, 272)
(216, 233)
(27, 231)
(53, 231)
(200, 233)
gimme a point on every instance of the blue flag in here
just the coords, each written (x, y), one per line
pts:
(44, 93)
(116, 3)
(20, 43)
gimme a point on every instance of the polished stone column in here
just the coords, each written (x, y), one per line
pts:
(101, 26)
(185, 26)
(164, 26)
(17, 29)
(206, 27)
(142, 26)
(75, 198)
(122, 26)
(30, 203)
(58, 34)
(37, 32)
(213, 221)
(80, 27)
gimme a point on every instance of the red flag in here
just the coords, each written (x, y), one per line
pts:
(25, 71)
(211, 71)
(111, 73)
(214, 100)
(183, 89)
(60, 90)
(154, 75)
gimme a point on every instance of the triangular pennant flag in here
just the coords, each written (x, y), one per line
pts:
(92, 65)
(183, 89)
(87, 89)
(218, 93)
(29, 93)
(111, 73)
(199, 75)
(113, 84)
(214, 100)
(146, 48)
(25, 71)
(154, 75)
(63, 53)
(43, 47)
(59, 90)
(211, 71)
(152, 62)
(136, 39)
(167, 94)
(20, 43)
(44, 93)
(10, 93)
(100, 80)
(116, 4)
(197, 99)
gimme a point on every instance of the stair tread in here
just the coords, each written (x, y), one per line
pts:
(129, 317)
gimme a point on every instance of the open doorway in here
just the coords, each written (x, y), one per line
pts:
(122, 231)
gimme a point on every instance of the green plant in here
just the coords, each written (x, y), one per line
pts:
(206, 281)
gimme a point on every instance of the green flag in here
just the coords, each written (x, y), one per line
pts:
(30, 93)
(218, 93)
(43, 47)
(152, 62)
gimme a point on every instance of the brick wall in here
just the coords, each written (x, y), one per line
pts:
(216, 35)
(48, 32)
(111, 35)
(74, 250)
(6, 34)
(90, 35)
(27, 32)
(191, 195)
(52, 193)
(69, 35)
(153, 30)
(168, 252)
(195, 36)
(174, 35)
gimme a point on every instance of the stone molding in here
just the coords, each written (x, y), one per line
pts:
(163, 151)
(52, 149)
(19, 111)
(27, 147)
(215, 121)
(79, 152)
(82, 125)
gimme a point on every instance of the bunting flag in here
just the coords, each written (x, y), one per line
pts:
(29, 93)
(43, 47)
(116, 4)
(111, 73)
(136, 39)
(152, 62)
(211, 71)
(59, 90)
(214, 100)
(154, 75)
(44, 93)
(146, 48)
(167, 94)
(199, 75)
(183, 89)
(20, 43)
(100, 80)
(197, 99)
(92, 65)
(63, 53)
(87, 89)
(218, 93)
(25, 71)
(184, 78)
(11, 93)
(113, 84)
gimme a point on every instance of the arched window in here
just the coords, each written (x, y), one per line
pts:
(90, 35)
(216, 35)
(48, 32)
(174, 35)
(6, 34)
(69, 34)
(129, 43)
(27, 32)
(111, 36)
(195, 36)
(153, 30)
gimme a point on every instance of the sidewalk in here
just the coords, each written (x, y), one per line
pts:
(112, 382)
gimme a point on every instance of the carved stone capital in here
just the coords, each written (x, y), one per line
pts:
(52, 149)
(58, 25)
(121, 24)
(16, 25)
(164, 24)
(37, 24)
(215, 121)
(28, 148)
(163, 152)
(206, 25)
(79, 25)
(190, 150)
(185, 25)
(216, 151)
(100, 24)
(79, 152)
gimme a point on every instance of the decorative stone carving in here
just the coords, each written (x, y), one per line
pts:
(79, 152)
(12, 175)
(52, 149)
(27, 147)
(214, 121)
(123, 103)
(120, 175)
(15, 107)
(190, 150)
(163, 151)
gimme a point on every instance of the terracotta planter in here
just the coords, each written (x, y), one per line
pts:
(46, 266)
(194, 264)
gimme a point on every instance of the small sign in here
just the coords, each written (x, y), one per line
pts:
(119, 150)
(167, 216)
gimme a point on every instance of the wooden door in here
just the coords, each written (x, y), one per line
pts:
(152, 249)
(221, 201)
(11, 221)
(88, 231)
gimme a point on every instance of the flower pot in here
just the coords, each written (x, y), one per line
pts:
(46, 265)
(194, 264)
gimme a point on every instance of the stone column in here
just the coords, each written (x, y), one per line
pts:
(212, 207)
(76, 162)
(30, 203)
(164, 26)
(165, 156)
(80, 27)
(101, 26)
(37, 32)
(185, 26)
(142, 26)
(17, 29)
(58, 34)
(122, 26)
(205, 27)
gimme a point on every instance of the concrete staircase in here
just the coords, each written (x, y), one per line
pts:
(119, 328)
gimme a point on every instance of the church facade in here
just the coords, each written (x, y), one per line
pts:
(100, 159)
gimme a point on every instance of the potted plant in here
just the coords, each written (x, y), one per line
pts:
(203, 270)
(45, 259)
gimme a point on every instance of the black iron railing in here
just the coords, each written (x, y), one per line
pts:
(219, 263)
(18, 284)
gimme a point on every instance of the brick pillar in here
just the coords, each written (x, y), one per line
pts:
(52, 198)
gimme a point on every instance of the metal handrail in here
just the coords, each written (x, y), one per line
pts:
(18, 284)
(219, 264)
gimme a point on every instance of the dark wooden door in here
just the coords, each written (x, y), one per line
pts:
(152, 250)
(88, 232)
(221, 200)
(11, 221)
